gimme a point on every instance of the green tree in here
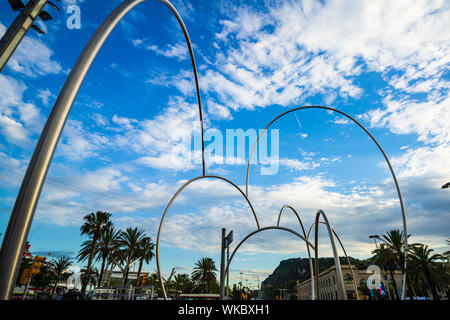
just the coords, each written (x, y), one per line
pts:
(423, 260)
(145, 251)
(93, 227)
(131, 241)
(386, 258)
(59, 266)
(394, 239)
(91, 277)
(205, 273)
(108, 243)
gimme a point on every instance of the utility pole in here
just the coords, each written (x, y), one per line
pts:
(222, 264)
(24, 21)
(228, 273)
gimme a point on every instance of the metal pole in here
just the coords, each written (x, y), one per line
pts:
(340, 280)
(26, 287)
(241, 284)
(228, 273)
(14, 35)
(222, 264)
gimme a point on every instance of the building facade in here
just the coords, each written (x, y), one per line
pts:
(329, 287)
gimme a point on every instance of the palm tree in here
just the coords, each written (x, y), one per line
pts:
(385, 257)
(107, 244)
(131, 240)
(59, 267)
(204, 273)
(91, 278)
(183, 283)
(447, 253)
(145, 251)
(394, 239)
(94, 225)
(421, 257)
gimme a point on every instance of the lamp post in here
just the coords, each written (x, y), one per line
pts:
(19, 28)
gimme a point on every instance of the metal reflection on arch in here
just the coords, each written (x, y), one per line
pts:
(311, 267)
(355, 286)
(397, 186)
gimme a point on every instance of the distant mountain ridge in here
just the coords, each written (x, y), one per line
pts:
(289, 271)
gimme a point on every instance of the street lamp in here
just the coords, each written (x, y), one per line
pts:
(24, 21)
(446, 186)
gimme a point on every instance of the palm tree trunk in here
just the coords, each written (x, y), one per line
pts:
(88, 268)
(394, 283)
(431, 284)
(139, 272)
(54, 288)
(102, 271)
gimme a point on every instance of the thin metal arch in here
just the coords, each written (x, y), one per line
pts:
(251, 234)
(28, 197)
(340, 280)
(397, 186)
(311, 268)
(355, 286)
(175, 196)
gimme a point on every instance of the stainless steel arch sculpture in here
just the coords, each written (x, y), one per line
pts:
(308, 243)
(28, 197)
(175, 196)
(355, 286)
(311, 268)
(397, 186)
(339, 280)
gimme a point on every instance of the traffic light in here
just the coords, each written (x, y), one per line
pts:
(144, 279)
(25, 276)
(37, 265)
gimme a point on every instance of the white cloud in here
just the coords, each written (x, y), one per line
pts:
(32, 58)
(298, 49)
(429, 119)
(18, 119)
(44, 95)
(178, 51)
(78, 143)
(219, 111)
(164, 141)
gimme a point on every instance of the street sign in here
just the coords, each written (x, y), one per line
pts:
(229, 239)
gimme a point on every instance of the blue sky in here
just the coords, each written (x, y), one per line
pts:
(385, 63)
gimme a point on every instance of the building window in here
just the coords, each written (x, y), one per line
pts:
(348, 278)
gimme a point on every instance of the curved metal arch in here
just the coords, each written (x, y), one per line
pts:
(397, 186)
(28, 197)
(340, 280)
(311, 268)
(355, 286)
(175, 196)
(251, 234)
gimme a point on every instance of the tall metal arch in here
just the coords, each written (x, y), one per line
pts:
(355, 286)
(397, 186)
(311, 267)
(251, 234)
(340, 281)
(175, 196)
(28, 197)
